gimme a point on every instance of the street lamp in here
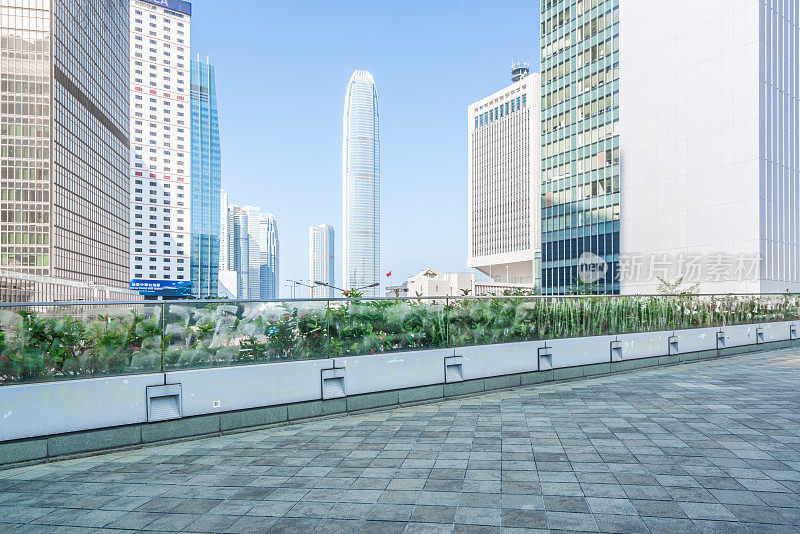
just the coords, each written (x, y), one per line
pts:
(346, 291)
(296, 283)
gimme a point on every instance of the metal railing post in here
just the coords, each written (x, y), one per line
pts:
(447, 342)
(163, 334)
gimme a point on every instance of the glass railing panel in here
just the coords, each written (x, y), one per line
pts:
(78, 340)
(61, 342)
(364, 326)
(234, 333)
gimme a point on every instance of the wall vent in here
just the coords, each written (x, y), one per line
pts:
(164, 402)
(616, 351)
(453, 369)
(672, 343)
(545, 358)
(333, 384)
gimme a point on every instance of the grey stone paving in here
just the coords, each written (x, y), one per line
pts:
(705, 447)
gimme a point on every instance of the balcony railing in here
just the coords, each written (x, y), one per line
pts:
(59, 341)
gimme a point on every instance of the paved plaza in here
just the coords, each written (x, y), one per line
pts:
(705, 447)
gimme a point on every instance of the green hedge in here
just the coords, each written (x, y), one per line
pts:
(76, 342)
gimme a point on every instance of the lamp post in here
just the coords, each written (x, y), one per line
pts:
(296, 284)
(345, 291)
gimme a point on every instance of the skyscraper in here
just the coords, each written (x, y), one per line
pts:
(64, 145)
(263, 250)
(503, 184)
(239, 249)
(224, 231)
(270, 254)
(160, 145)
(206, 181)
(321, 261)
(361, 185)
(669, 144)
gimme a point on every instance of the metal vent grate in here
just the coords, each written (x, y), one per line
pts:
(546, 358)
(333, 385)
(166, 407)
(672, 345)
(616, 351)
(454, 369)
(163, 402)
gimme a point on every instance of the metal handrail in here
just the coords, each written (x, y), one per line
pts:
(371, 299)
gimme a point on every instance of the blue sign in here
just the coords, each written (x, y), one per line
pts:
(162, 288)
(175, 5)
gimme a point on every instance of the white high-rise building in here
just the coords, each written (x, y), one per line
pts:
(160, 131)
(321, 260)
(361, 227)
(228, 276)
(670, 145)
(503, 184)
(710, 144)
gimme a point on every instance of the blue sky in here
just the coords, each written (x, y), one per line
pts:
(282, 69)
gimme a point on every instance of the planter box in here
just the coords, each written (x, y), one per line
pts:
(645, 345)
(56, 407)
(221, 389)
(394, 370)
(697, 340)
(500, 359)
(738, 335)
(582, 350)
(249, 395)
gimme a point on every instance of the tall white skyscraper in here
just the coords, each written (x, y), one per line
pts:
(670, 144)
(321, 260)
(361, 227)
(503, 184)
(160, 130)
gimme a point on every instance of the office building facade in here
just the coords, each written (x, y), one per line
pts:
(503, 184)
(256, 252)
(239, 249)
(669, 145)
(580, 169)
(361, 228)
(710, 182)
(64, 142)
(224, 231)
(205, 182)
(321, 260)
(161, 137)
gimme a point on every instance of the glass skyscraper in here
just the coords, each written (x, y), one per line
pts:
(580, 168)
(205, 182)
(253, 250)
(361, 185)
(64, 143)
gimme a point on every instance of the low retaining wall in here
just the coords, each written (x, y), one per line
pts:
(50, 420)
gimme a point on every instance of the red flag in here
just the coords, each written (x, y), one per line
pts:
(389, 273)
